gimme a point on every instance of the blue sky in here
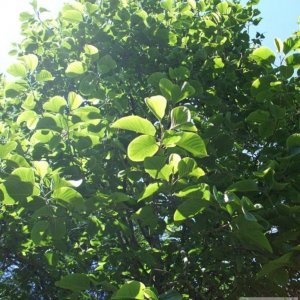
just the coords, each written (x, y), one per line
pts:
(279, 20)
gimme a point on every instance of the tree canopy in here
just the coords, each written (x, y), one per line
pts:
(149, 150)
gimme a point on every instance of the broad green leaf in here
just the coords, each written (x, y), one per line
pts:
(29, 102)
(75, 69)
(271, 266)
(17, 70)
(25, 174)
(195, 191)
(180, 115)
(186, 91)
(180, 73)
(7, 148)
(146, 216)
(166, 87)
(174, 160)
(223, 7)
(218, 63)
(291, 43)
(42, 136)
(167, 4)
(135, 123)
(91, 50)
(72, 16)
(38, 231)
(106, 64)
(74, 100)
(13, 89)
(293, 143)
(43, 76)
(157, 167)
(55, 104)
(262, 55)
(189, 208)
(193, 143)
(69, 196)
(170, 138)
(18, 186)
(192, 3)
(74, 282)
(150, 294)
(57, 228)
(131, 290)
(157, 105)
(258, 116)
(31, 61)
(251, 234)
(293, 60)
(41, 167)
(155, 78)
(150, 190)
(142, 147)
(247, 185)
(188, 167)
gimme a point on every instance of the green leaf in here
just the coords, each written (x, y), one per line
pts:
(166, 87)
(41, 167)
(193, 192)
(192, 3)
(170, 138)
(135, 123)
(155, 78)
(271, 266)
(70, 196)
(218, 63)
(74, 100)
(106, 64)
(72, 16)
(258, 116)
(150, 190)
(17, 70)
(251, 234)
(189, 208)
(193, 143)
(131, 290)
(91, 50)
(7, 148)
(279, 45)
(293, 60)
(74, 282)
(188, 167)
(142, 147)
(43, 76)
(31, 61)
(157, 168)
(167, 4)
(55, 104)
(13, 190)
(38, 231)
(223, 7)
(25, 174)
(263, 55)
(75, 69)
(247, 185)
(180, 115)
(150, 294)
(157, 105)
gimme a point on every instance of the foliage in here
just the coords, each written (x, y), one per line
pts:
(149, 150)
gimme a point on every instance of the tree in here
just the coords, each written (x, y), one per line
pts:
(150, 150)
